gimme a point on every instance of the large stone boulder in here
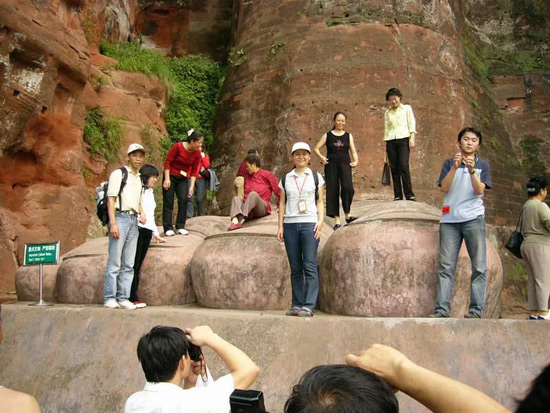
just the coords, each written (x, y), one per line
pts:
(27, 283)
(385, 265)
(245, 269)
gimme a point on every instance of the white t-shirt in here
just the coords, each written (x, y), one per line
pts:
(300, 187)
(212, 396)
(148, 204)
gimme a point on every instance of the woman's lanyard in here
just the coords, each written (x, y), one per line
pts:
(302, 205)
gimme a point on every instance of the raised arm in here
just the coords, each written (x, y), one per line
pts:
(242, 368)
(438, 393)
(322, 142)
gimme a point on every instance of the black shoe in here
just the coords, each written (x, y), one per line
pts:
(412, 198)
(398, 199)
(350, 219)
(336, 227)
(438, 315)
(472, 315)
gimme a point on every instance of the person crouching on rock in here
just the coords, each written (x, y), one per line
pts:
(181, 169)
(259, 184)
(301, 214)
(149, 175)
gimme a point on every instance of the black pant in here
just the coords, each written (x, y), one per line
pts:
(398, 154)
(338, 183)
(144, 240)
(180, 187)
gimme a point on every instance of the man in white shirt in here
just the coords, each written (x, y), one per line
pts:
(165, 355)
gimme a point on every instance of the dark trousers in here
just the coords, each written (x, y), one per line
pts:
(144, 240)
(398, 154)
(200, 189)
(179, 187)
(338, 184)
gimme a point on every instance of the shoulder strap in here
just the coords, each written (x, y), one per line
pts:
(124, 172)
(316, 180)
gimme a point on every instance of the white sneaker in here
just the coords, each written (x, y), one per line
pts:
(169, 233)
(127, 305)
(139, 304)
(182, 231)
(111, 303)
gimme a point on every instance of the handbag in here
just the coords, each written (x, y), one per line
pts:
(516, 239)
(386, 174)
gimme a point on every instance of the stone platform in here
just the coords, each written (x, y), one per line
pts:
(77, 358)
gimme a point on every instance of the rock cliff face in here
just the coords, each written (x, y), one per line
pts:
(296, 62)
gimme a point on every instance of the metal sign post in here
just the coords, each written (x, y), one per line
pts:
(41, 254)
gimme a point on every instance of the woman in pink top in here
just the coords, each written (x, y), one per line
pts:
(181, 169)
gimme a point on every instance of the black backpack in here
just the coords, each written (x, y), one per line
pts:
(101, 198)
(315, 179)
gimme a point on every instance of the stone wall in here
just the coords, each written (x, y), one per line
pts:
(86, 361)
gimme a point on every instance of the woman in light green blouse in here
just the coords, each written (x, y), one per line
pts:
(535, 249)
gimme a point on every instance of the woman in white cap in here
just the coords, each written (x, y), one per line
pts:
(181, 169)
(301, 214)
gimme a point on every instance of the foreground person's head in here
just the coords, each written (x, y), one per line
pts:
(341, 388)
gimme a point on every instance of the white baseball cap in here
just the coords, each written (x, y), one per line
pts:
(300, 145)
(135, 147)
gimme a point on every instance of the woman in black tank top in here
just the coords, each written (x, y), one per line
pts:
(341, 157)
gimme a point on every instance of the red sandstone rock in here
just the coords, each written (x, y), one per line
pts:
(245, 269)
(385, 265)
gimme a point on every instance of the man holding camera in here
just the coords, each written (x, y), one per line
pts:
(169, 357)
(463, 178)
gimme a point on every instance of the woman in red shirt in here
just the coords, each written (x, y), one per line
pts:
(181, 169)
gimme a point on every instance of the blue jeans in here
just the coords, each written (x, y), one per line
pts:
(200, 189)
(301, 249)
(450, 241)
(122, 252)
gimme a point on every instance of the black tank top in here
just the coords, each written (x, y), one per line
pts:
(338, 147)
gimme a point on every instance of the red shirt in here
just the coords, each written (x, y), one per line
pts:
(242, 169)
(205, 163)
(180, 159)
(263, 183)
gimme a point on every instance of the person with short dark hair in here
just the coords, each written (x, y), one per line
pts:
(341, 388)
(341, 158)
(538, 399)
(259, 185)
(146, 232)
(169, 357)
(238, 183)
(181, 170)
(400, 138)
(463, 178)
(15, 401)
(535, 249)
(125, 210)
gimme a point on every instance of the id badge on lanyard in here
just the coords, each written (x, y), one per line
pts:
(302, 204)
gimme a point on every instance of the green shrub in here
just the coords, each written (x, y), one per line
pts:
(194, 85)
(103, 134)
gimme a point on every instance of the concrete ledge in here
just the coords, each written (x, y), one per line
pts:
(82, 358)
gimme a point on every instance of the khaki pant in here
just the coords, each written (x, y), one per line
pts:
(537, 258)
(253, 204)
(238, 187)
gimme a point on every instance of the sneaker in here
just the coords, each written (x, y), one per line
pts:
(305, 312)
(182, 231)
(350, 219)
(412, 198)
(438, 315)
(293, 311)
(139, 304)
(234, 226)
(398, 199)
(472, 315)
(533, 317)
(337, 226)
(169, 233)
(111, 303)
(127, 305)
(544, 317)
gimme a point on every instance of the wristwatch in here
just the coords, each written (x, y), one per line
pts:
(473, 172)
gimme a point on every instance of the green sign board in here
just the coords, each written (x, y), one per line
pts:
(41, 253)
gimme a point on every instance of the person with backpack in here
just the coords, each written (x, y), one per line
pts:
(301, 215)
(124, 207)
